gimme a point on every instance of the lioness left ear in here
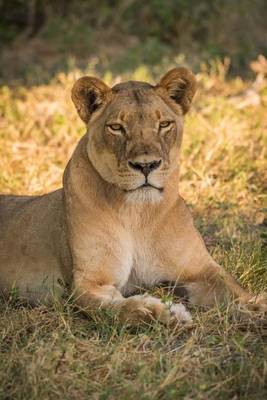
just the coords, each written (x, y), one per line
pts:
(180, 85)
(88, 94)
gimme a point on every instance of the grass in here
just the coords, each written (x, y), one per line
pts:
(56, 353)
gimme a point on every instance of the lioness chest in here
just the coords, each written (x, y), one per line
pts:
(142, 266)
(143, 270)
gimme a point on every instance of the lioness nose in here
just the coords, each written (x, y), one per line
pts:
(145, 168)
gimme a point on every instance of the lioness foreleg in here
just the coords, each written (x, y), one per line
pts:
(214, 284)
(132, 310)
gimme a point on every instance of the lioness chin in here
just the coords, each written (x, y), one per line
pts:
(118, 223)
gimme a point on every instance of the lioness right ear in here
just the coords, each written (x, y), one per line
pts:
(88, 94)
(179, 84)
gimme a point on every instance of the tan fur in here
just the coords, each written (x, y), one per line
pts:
(104, 234)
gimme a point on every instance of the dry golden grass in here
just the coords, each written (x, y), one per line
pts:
(55, 352)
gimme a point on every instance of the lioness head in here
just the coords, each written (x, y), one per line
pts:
(135, 129)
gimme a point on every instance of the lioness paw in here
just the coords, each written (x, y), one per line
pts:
(147, 308)
(258, 303)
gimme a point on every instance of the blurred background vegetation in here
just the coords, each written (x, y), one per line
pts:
(39, 38)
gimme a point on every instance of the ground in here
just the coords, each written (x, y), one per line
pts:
(55, 352)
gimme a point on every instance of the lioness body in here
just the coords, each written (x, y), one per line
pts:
(142, 246)
(119, 223)
(34, 253)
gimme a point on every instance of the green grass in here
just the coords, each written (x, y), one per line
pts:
(56, 353)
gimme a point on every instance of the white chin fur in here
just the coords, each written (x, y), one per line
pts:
(144, 195)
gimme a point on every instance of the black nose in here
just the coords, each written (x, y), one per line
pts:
(145, 168)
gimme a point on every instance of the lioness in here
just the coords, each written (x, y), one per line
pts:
(118, 222)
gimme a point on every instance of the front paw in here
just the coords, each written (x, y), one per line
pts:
(256, 303)
(145, 308)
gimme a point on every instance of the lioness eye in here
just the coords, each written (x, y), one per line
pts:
(115, 127)
(165, 124)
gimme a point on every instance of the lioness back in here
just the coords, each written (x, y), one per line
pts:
(34, 253)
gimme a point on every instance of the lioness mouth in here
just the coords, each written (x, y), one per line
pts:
(146, 185)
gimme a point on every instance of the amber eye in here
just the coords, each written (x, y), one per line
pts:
(116, 129)
(165, 124)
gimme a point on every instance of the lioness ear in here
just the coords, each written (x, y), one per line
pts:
(88, 94)
(180, 85)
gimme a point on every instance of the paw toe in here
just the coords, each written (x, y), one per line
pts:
(180, 313)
